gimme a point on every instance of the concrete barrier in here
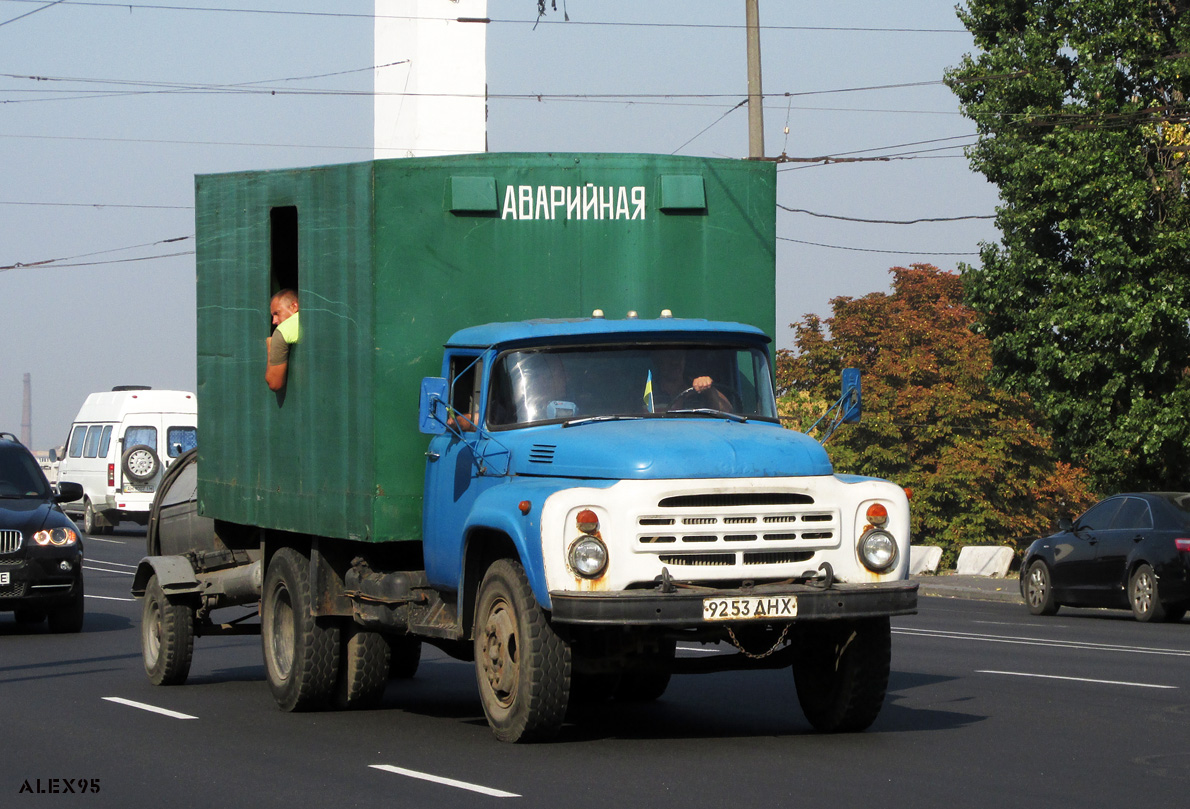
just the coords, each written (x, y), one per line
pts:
(924, 559)
(984, 560)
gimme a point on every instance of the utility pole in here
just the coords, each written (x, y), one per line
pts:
(755, 94)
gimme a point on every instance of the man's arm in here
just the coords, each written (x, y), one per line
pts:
(278, 363)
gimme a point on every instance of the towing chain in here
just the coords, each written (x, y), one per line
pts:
(735, 641)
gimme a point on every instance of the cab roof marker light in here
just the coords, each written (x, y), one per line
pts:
(632, 314)
(597, 314)
(666, 313)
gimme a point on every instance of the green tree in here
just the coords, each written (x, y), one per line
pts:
(1080, 107)
(980, 470)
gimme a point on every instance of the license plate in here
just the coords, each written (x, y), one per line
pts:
(4, 578)
(749, 608)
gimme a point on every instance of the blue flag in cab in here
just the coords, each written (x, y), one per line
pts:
(649, 392)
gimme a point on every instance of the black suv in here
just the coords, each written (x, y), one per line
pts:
(41, 551)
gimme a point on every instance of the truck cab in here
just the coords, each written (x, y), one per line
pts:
(637, 472)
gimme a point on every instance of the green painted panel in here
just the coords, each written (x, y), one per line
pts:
(683, 192)
(396, 255)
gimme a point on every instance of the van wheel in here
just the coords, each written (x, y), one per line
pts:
(90, 526)
(140, 463)
(167, 636)
(522, 665)
(301, 652)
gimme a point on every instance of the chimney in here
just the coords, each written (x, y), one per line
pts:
(433, 100)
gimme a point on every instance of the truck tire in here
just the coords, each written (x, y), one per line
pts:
(841, 672)
(301, 652)
(404, 656)
(363, 668)
(166, 636)
(523, 667)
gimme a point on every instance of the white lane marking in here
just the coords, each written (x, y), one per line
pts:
(450, 782)
(97, 539)
(109, 570)
(112, 564)
(698, 650)
(1075, 679)
(1023, 641)
(150, 708)
(107, 598)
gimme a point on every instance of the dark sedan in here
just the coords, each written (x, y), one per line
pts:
(41, 552)
(1130, 551)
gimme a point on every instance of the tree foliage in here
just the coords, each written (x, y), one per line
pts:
(980, 470)
(1081, 108)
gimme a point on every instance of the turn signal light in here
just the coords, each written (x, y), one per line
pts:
(1182, 545)
(877, 515)
(588, 523)
(111, 474)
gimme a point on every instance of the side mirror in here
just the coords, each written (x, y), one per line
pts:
(1065, 524)
(59, 452)
(852, 400)
(431, 410)
(68, 492)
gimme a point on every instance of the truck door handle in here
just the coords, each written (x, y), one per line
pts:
(433, 456)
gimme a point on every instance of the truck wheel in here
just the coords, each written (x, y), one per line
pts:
(404, 656)
(166, 636)
(363, 668)
(301, 652)
(523, 667)
(841, 672)
(68, 619)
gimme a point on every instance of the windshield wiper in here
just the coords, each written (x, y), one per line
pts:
(707, 411)
(592, 419)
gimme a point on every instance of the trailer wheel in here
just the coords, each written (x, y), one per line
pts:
(301, 652)
(841, 672)
(523, 667)
(363, 668)
(404, 656)
(166, 636)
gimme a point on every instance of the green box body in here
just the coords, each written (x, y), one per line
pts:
(391, 258)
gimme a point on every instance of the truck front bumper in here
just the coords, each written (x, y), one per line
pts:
(684, 607)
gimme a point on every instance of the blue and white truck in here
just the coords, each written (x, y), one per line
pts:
(567, 499)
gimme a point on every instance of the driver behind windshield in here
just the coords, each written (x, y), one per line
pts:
(670, 386)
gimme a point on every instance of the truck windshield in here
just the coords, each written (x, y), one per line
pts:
(533, 386)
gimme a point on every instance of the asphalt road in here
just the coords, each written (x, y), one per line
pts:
(987, 706)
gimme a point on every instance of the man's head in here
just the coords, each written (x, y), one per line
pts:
(283, 305)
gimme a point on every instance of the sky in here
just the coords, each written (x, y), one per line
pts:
(108, 111)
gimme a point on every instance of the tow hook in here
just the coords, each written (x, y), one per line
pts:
(827, 579)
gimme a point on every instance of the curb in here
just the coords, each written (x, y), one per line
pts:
(974, 588)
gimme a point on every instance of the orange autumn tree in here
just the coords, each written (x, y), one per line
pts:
(980, 467)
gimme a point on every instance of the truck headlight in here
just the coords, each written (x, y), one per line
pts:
(588, 556)
(877, 550)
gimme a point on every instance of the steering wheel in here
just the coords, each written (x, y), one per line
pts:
(728, 395)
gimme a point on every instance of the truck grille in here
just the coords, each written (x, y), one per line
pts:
(737, 529)
(10, 541)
